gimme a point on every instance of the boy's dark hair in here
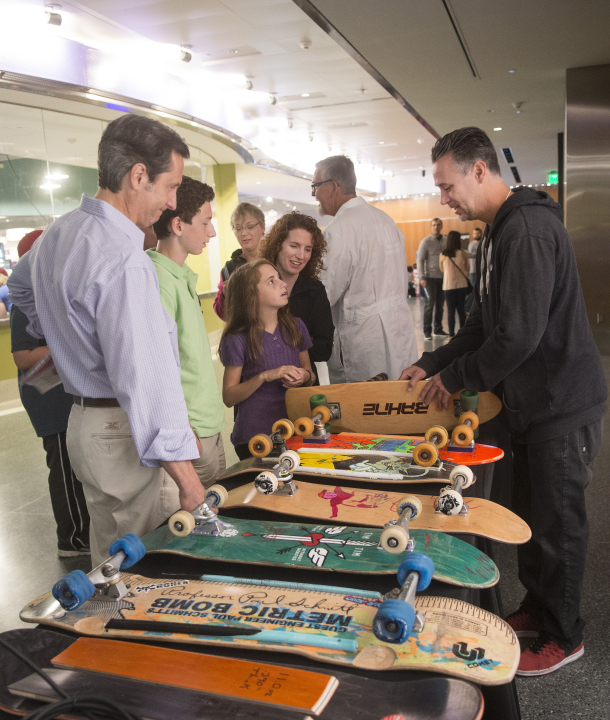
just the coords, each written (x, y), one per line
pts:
(190, 196)
(467, 145)
(133, 139)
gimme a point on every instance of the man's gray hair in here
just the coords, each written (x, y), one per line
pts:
(467, 145)
(340, 169)
(133, 139)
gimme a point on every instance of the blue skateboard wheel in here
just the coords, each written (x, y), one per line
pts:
(73, 590)
(420, 563)
(394, 621)
(132, 546)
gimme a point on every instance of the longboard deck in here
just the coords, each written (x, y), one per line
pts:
(333, 548)
(402, 444)
(458, 639)
(363, 506)
(384, 407)
(368, 698)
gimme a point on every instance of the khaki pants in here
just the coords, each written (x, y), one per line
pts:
(212, 459)
(122, 496)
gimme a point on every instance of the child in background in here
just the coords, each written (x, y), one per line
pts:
(263, 344)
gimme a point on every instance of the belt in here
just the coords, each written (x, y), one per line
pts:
(96, 402)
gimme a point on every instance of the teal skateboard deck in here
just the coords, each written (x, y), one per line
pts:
(323, 547)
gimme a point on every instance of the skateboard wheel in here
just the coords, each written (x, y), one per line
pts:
(260, 445)
(412, 502)
(304, 426)
(438, 436)
(425, 454)
(393, 621)
(216, 496)
(293, 458)
(472, 417)
(450, 502)
(181, 523)
(462, 435)
(324, 412)
(266, 483)
(73, 590)
(394, 539)
(420, 563)
(284, 427)
(132, 546)
(463, 472)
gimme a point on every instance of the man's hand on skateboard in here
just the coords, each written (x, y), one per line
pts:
(414, 374)
(434, 388)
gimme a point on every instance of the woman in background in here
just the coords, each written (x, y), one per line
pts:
(454, 263)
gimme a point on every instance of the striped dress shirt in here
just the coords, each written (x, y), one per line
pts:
(88, 287)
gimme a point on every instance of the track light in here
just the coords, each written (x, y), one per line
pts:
(249, 84)
(186, 56)
(290, 124)
(53, 17)
(272, 98)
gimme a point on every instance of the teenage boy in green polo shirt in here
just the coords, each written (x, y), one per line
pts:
(182, 232)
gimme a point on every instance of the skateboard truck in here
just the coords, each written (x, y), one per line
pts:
(314, 429)
(465, 409)
(278, 481)
(397, 617)
(395, 536)
(202, 520)
(104, 582)
(451, 501)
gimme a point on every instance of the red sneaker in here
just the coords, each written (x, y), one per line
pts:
(523, 624)
(544, 656)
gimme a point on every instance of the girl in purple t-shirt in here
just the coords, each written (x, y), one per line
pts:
(264, 351)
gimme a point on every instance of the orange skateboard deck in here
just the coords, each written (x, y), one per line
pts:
(363, 506)
(385, 407)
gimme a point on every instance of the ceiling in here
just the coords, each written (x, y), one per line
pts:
(373, 54)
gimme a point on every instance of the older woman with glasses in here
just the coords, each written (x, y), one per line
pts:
(248, 223)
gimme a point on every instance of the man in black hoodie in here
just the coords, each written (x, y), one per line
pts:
(527, 338)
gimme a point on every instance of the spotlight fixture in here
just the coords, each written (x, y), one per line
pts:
(272, 98)
(53, 17)
(249, 84)
(185, 54)
(305, 44)
(290, 123)
(310, 137)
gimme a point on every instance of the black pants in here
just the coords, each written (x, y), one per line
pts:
(455, 301)
(67, 498)
(549, 494)
(434, 304)
(242, 451)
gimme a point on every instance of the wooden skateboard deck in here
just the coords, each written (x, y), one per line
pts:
(357, 442)
(363, 506)
(333, 548)
(326, 625)
(367, 698)
(384, 407)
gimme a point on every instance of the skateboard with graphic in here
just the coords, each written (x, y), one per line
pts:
(388, 408)
(322, 547)
(365, 506)
(256, 684)
(329, 625)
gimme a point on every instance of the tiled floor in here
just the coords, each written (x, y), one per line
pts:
(30, 565)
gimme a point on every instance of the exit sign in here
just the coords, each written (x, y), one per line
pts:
(553, 178)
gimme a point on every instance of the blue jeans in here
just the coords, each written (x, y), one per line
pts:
(549, 494)
(455, 301)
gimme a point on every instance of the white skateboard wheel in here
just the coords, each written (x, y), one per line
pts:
(463, 472)
(413, 503)
(266, 483)
(450, 502)
(394, 539)
(216, 496)
(293, 459)
(181, 523)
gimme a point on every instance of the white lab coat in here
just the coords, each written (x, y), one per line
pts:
(367, 285)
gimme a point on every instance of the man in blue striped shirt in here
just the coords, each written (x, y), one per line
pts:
(90, 290)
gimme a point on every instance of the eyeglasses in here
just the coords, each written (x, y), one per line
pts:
(317, 185)
(238, 229)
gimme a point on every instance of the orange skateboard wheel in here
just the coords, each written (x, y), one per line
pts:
(284, 427)
(260, 445)
(304, 426)
(437, 435)
(324, 412)
(462, 435)
(472, 416)
(425, 454)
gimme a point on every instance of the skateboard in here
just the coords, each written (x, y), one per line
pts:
(357, 442)
(368, 698)
(386, 407)
(363, 506)
(329, 625)
(322, 547)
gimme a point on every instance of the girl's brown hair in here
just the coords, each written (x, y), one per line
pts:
(271, 243)
(242, 311)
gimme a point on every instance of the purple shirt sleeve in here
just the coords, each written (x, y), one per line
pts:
(234, 350)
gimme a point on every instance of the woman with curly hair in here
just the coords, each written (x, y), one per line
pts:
(296, 246)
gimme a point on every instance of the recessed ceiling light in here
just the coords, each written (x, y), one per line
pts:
(497, 129)
(56, 176)
(512, 71)
(234, 51)
(269, 199)
(304, 94)
(49, 186)
(381, 142)
(491, 111)
(258, 182)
